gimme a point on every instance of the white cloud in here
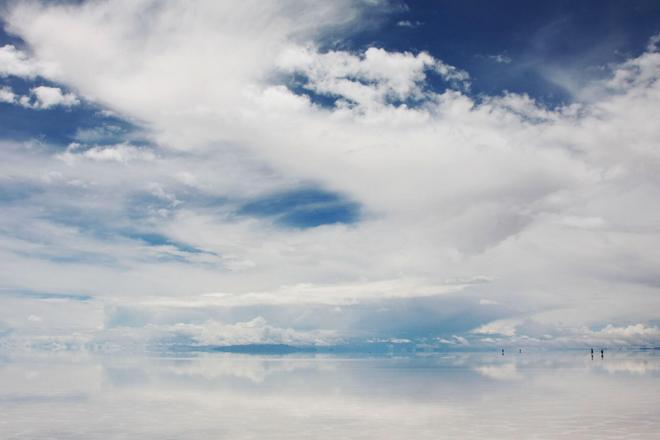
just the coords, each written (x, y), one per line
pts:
(7, 95)
(255, 331)
(123, 152)
(640, 71)
(635, 335)
(331, 294)
(505, 327)
(45, 97)
(528, 333)
(408, 23)
(373, 78)
(635, 332)
(14, 62)
(211, 332)
(40, 98)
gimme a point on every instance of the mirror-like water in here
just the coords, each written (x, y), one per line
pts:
(216, 396)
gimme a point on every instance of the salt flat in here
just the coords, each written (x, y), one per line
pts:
(211, 396)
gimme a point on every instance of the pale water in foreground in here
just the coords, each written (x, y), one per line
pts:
(223, 396)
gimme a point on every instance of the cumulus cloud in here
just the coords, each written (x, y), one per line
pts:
(637, 72)
(637, 334)
(544, 202)
(14, 62)
(529, 334)
(44, 97)
(210, 332)
(375, 77)
(40, 98)
(503, 327)
(255, 331)
(7, 95)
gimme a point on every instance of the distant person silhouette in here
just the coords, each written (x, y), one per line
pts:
(502, 352)
(592, 353)
(602, 353)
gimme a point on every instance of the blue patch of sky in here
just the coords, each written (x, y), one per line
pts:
(75, 257)
(303, 208)
(156, 239)
(87, 221)
(470, 34)
(108, 226)
(70, 256)
(138, 219)
(6, 38)
(43, 295)
(58, 125)
(297, 83)
(17, 191)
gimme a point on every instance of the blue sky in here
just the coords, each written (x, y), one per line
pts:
(514, 45)
(459, 174)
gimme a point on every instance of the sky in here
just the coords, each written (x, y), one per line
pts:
(455, 175)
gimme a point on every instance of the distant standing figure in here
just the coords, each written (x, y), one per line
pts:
(592, 353)
(602, 353)
(502, 352)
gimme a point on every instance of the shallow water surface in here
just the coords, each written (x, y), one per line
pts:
(216, 396)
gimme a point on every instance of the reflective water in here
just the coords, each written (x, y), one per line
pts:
(224, 396)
